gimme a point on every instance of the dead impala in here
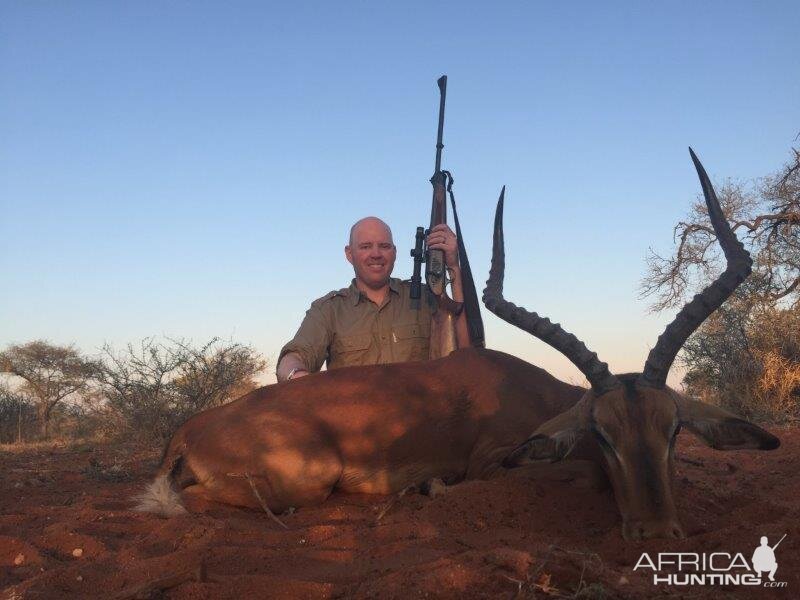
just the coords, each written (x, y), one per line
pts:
(635, 418)
(383, 428)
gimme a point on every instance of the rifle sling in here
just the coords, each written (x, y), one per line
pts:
(471, 303)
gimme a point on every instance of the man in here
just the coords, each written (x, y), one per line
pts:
(764, 558)
(372, 321)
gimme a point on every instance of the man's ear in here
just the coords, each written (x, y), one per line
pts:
(348, 254)
(721, 429)
(554, 439)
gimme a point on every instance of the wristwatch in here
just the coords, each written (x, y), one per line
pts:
(292, 372)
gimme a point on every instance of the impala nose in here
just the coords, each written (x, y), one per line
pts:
(646, 530)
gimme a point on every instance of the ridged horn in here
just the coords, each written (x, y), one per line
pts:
(706, 302)
(551, 333)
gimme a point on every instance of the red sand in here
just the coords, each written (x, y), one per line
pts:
(507, 538)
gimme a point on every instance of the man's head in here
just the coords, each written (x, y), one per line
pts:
(371, 251)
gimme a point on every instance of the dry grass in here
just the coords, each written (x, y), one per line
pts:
(779, 384)
(51, 444)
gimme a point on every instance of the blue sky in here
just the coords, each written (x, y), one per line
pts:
(191, 169)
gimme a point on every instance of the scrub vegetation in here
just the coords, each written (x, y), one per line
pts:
(143, 391)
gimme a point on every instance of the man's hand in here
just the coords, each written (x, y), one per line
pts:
(291, 364)
(441, 237)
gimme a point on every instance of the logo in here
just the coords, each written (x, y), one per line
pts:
(715, 568)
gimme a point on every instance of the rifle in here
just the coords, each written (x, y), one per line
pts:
(442, 339)
(779, 542)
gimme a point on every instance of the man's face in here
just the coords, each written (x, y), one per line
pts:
(371, 252)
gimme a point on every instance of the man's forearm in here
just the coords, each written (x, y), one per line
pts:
(462, 331)
(291, 362)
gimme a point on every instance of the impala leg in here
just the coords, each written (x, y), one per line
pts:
(237, 490)
(292, 478)
(197, 500)
(280, 478)
(586, 474)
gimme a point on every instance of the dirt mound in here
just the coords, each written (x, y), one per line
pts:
(67, 531)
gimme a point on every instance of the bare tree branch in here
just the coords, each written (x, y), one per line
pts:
(768, 212)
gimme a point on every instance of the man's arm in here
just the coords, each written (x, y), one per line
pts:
(308, 350)
(462, 331)
(441, 237)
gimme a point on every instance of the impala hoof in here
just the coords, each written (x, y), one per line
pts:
(433, 488)
(647, 530)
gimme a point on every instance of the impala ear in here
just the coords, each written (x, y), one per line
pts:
(553, 440)
(721, 429)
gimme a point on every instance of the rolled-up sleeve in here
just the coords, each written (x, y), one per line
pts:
(313, 338)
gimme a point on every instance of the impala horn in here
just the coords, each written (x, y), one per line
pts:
(550, 333)
(706, 302)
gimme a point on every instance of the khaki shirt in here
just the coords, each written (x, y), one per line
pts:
(346, 328)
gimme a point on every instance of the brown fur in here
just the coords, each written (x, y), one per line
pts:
(374, 429)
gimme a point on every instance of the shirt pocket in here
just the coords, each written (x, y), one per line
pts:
(412, 342)
(349, 350)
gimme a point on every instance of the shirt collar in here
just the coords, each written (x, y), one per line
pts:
(355, 294)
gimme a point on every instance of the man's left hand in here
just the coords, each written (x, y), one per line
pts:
(441, 237)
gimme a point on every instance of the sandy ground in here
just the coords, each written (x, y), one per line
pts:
(67, 531)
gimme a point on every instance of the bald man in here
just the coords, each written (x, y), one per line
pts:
(372, 321)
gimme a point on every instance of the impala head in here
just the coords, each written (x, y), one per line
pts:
(635, 417)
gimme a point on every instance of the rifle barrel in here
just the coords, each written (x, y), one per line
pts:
(442, 81)
(779, 541)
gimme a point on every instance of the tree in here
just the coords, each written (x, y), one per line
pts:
(765, 216)
(747, 354)
(50, 373)
(747, 357)
(17, 413)
(156, 386)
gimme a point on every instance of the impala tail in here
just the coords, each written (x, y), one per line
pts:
(160, 497)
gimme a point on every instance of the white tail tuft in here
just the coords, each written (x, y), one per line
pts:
(160, 498)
